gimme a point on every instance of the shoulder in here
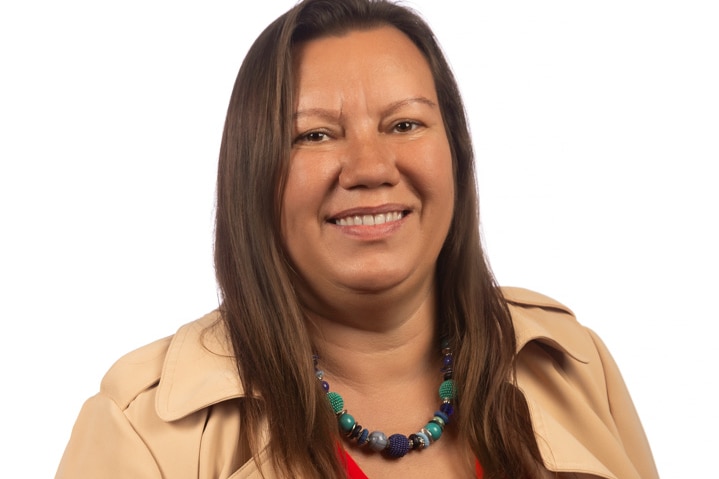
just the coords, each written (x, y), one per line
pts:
(539, 318)
(581, 411)
(147, 367)
(521, 297)
(135, 372)
(154, 404)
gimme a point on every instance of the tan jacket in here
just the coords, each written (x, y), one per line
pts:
(166, 410)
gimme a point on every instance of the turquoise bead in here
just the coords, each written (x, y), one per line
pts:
(336, 401)
(434, 430)
(346, 422)
(447, 389)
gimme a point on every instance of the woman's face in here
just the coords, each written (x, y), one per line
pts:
(370, 192)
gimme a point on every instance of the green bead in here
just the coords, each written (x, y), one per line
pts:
(434, 430)
(447, 389)
(336, 401)
(346, 422)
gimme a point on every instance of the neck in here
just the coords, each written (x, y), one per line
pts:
(374, 340)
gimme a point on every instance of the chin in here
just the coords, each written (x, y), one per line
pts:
(377, 281)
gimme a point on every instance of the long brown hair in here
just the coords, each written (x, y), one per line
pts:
(259, 304)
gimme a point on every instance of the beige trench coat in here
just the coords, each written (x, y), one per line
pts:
(166, 410)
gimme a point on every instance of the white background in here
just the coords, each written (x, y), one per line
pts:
(596, 127)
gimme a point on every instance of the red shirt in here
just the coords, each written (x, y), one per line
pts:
(354, 472)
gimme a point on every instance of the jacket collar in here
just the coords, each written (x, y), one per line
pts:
(535, 318)
(200, 369)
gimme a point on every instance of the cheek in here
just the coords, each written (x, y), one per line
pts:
(307, 184)
(435, 173)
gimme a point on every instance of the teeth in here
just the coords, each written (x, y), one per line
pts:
(370, 220)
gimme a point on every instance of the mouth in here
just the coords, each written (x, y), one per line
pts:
(370, 220)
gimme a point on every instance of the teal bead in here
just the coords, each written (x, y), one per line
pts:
(346, 422)
(434, 430)
(336, 401)
(447, 389)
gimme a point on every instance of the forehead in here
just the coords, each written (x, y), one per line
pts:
(381, 60)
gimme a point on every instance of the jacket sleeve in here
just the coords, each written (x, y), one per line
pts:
(104, 444)
(625, 415)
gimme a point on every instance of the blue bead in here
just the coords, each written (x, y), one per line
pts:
(398, 445)
(447, 408)
(442, 416)
(377, 441)
(364, 437)
(325, 386)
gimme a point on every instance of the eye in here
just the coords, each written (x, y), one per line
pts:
(312, 137)
(405, 126)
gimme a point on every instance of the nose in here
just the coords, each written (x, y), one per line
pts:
(368, 163)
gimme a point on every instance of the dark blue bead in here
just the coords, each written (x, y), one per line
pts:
(447, 408)
(325, 385)
(398, 445)
(363, 437)
(447, 360)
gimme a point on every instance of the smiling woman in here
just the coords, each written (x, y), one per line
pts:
(348, 252)
(370, 147)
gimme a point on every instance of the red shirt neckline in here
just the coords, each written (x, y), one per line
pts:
(354, 471)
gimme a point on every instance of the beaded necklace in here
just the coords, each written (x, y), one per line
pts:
(396, 445)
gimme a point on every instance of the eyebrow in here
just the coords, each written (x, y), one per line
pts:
(393, 107)
(329, 114)
(324, 113)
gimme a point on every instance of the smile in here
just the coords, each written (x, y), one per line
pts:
(370, 220)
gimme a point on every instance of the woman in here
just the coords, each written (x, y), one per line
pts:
(354, 286)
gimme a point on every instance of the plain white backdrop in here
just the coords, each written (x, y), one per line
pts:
(596, 128)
